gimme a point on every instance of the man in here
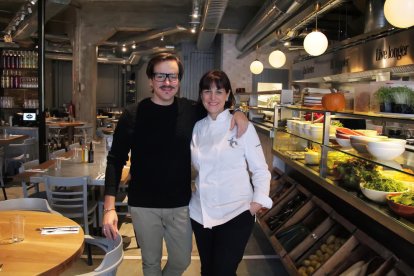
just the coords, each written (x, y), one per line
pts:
(158, 132)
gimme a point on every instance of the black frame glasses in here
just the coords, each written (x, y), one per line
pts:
(161, 77)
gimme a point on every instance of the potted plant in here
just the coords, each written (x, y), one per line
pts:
(385, 98)
(403, 97)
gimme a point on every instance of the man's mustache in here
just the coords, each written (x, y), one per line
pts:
(167, 87)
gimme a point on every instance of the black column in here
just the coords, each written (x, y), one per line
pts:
(41, 80)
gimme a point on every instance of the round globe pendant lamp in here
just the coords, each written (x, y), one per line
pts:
(277, 59)
(256, 67)
(315, 43)
(399, 13)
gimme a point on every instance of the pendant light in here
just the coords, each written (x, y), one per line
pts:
(256, 67)
(399, 13)
(316, 42)
(277, 59)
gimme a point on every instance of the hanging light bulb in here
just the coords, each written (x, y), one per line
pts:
(256, 67)
(124, 49)
(399, 13)
(277, 59)
(315, 43)
(133, 46)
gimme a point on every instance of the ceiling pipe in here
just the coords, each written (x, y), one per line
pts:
(29, 26)
(293, 27)
(212, 15)
(153, 35)
(270, 16)
(133, 59)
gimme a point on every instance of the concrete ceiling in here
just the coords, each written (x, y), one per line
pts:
(150, 17)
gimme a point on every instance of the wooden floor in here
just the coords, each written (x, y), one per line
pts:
(259, 258)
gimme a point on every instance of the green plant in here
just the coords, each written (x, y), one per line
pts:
(384, 94)
(402, 95)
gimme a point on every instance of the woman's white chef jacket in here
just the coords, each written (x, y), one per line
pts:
(223, 189)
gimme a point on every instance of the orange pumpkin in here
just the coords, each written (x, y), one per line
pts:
(334, 101)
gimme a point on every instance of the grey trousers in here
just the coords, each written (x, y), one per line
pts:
(152, 226)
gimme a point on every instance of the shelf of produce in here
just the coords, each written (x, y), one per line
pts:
(397, 233)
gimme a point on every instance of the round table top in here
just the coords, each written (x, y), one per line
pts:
(38, 254)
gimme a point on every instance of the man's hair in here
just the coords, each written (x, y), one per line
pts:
(164, 57)
(221, 80)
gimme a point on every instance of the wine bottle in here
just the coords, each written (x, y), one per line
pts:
(90, 153)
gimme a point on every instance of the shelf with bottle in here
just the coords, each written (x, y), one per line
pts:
(19, 59)
(17, 79)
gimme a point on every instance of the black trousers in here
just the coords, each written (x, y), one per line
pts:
(221, 248)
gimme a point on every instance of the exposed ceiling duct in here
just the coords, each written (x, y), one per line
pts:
(29, 25)
(133, 58)
(292, 27)
(374, 15)
(153, 35)
(213, 13)
(272, 14)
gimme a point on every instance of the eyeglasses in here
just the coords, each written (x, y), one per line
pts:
(160, 77)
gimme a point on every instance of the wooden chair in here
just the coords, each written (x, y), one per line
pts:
(30, 204)
(69, 196)
(114, 254)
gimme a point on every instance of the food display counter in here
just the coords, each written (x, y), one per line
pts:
(320, 226)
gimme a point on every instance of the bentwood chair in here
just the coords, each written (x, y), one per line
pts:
(114, 255)
(30, 204)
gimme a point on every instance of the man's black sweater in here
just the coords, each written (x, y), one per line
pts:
(159, 139)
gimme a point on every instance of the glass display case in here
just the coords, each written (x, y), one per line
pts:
(329, 199)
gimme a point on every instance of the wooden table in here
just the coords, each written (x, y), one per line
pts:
(39, 254)
(11, 138)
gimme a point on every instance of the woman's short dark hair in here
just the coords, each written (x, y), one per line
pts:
(164, 57)
(221, 80)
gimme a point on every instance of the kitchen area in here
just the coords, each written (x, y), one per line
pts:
(336, 125)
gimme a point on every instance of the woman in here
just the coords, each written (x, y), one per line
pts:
(223, 206)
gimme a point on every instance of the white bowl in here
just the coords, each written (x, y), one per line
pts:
(345, 143)
(384, 153)
(377, 196)
(307, 128)
(316, 133)
(312, 158)
(359, 143)
(368, 132)
(388, 143)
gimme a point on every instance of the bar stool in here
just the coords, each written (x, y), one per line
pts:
(83, 132)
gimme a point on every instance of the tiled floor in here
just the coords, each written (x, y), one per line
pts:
(259, 258)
